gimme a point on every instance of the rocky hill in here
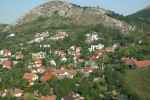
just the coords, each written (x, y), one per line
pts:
(71, 15)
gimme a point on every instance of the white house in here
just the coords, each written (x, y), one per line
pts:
(38, 55)
(52, 62)
(96, 47)
(91, 37)
(11, 35)
(59, 36)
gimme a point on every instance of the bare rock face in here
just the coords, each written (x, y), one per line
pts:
(77, 15)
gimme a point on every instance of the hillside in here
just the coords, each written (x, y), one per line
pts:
(59, 13)
(142, 14)
(141, 19)
(56, 16)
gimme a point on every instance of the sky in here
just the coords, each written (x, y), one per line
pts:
(11, 10)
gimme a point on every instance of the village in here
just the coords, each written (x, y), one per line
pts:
(42, 67)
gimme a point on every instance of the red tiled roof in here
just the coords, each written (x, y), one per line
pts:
(93, 58)
(61, 72)
(19, 55)
(139, 64)
(128, 61)
(48, 75)
(8, 64)
(142, 64)
(88, 69)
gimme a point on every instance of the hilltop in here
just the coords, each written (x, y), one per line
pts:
(60, 14)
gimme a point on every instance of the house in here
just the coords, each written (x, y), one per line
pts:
(91, 37)
(136, 63)
(17, 92)
(128, 61)
(63, 59)
(76, 54)
(74, 51)
(36, 40)
(62, 73)
(72, 47)
(52, 62)
(78, 50)
(4, 93)
(40, 70)
(88, 69)
(71, 50)
(45, 46)
(38, 55)
(6, 53)
(30, 77)
(60, 53)
(39, 37)
(34, 71)
(59, 36)
(96, 47)
(73, 96)
(38, 63)
(42, 34)
(15, 62)
(53, 97)
(111, 49)
(19, 55)
(97, 55)
(48, 75)
(7, 64)
(11, 35)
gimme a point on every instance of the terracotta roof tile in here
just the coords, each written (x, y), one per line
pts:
(142, 64)
(7, 64)
(48, 75)
(137, 63)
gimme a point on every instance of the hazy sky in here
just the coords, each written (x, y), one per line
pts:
(10, 10)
